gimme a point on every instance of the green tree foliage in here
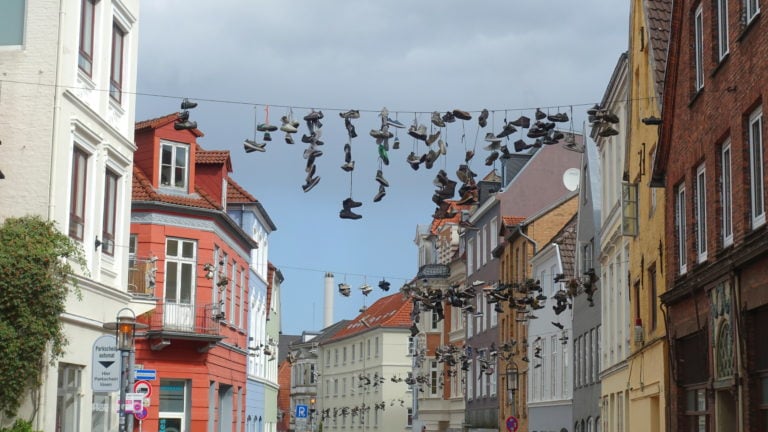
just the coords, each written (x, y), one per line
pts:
(36, 267)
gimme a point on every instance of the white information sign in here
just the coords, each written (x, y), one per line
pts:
(105, 367)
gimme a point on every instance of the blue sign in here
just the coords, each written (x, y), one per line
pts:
(302, 411)
(145, 374)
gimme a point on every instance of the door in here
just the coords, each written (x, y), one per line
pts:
(180, 263)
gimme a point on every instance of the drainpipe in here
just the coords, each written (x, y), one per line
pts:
(56, 111)
(535, 245)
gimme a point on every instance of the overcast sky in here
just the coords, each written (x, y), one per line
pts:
(235, 57)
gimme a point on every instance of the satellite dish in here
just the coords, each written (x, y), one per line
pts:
(571, 178)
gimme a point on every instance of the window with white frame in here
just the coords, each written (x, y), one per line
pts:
(680, 228)
(232, 291)
(411, 347)
(471, 380)
(180, 262)
(434, 376)
(484, 244)
(752, 8)
(701, 213)
(722, 28)
(698, 47)
(116, 65)
(242, 302)
(174, 164)
(77, 204)
(726, 194)
(493, 378)
(335, 356)
(376, 349)
(87, 26)
(755, 135)
(12, 21)
(110, 211)
(471, 254)
(435, 319)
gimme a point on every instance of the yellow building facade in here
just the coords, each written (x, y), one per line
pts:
(643, 219)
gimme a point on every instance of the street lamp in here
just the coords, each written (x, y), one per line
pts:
(125, 327)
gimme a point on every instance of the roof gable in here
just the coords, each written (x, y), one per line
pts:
(392, 311)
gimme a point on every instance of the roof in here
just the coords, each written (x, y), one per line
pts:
(453, 206)
(659, 17)
(211, 156)
(236, 194)
(158, 122)
(283, 343)
(143, 191)
(566, 241)
(392, 311)
(512, 220)
(330, 331)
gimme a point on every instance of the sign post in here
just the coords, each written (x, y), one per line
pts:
(105, 365)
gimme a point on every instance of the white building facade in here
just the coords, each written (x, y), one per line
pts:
(68, 81)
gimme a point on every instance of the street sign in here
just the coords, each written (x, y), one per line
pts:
(143, 387)
(134, 402)
(512, 424)
(105, 366)
(302, 411)
(141, 415)
(145, 374)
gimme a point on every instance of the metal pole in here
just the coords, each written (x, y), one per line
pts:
(123, 381)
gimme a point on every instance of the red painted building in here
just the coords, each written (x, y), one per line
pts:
(193, 260)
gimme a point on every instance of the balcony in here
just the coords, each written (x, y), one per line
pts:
(141, 277)
(180, 321)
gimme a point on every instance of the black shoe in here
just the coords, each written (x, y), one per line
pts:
(522, 122)
(483, 119)
(540, 114)
(491, 158)
(252, 146)
(505, 154)
(521, 145)
(559, 117)
(351, 114)
(536, 132)
(448, 117)
(310, 184)
(349, 214)
(349, 203)
(462, 115)
(380, 178)
(380, 194)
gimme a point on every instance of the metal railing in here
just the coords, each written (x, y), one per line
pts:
(185, 318)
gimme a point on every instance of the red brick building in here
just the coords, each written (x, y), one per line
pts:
(711, 160)
(190, 258)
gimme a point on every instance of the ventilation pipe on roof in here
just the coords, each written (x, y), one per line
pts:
(328, 300)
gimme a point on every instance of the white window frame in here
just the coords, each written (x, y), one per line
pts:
(701, 213)
(726, 193)
(180, 260)
(232, 291)
(174, 146)
(471, 254)
(698, 47)
(756, 177)
(680, 226)
(722, 28)
(751, 9)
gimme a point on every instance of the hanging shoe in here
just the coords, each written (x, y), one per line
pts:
(592, 111)
(310, 170)
(288, 128)
(559, 117)
(442, 147)
(266, 127)
(521, 145)
(348, 166)
(350, 128)
(433, 137)
(394, 123)
(310, 184)
(413, 161)
(448, 117)
(313, 116)
(431, 158)
(267, 136)
(380, 194)
(482, 120)
(462, 115)
(469, 155)
(380, 178)
(418, 131)
(252, 146)
(491, 158)
(347, 153)
(522, 122)
(508, 130)
(351, 114)
(396, 144)
(383, 154)
(381, 134)
(608, 131)
(540, 115)
(437, 120)
(288, 138)
(350, 203)
(505, 154)
(536, 132)
(349, 214)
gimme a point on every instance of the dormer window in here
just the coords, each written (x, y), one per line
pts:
(174, 163)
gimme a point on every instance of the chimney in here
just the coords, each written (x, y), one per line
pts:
(328, 300)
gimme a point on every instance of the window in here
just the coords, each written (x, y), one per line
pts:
(101, 412)
(232, 289)
(698, 49)
(471, 379)
(433, 378)
(335, 356)
(242, 302)
(586, 257)
(110, 209)
(680, 225)
(470, 254)
(68, 397)
(376, 346)
(344, 355)
(368, 347)
(755, 135)
(629, 209)
(494, 233)
(179, 272)
(722, 28)
(328, 358)
(116, 68)
(701, 213)
(696, 410)
(435, 319)
(726, 194)
(77, 197)
(409, 420)
(752, 9)
(12, 16)
(652, 298)
(173, 165)
(411, 346)
(87, 20)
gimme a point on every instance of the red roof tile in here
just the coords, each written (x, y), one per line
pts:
(437, 223)
(158, 122)
(659, 17)
(392, 311)
(512, 220)
(212, 156)
(143, 191)
(236, 193)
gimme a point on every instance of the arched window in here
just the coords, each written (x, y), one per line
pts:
(590, 424)
(724, 351)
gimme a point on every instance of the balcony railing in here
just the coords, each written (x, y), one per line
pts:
(183, 318)
(141, 276)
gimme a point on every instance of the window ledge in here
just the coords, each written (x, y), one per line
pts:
(720, 64)
(748, 26)
(695, 96)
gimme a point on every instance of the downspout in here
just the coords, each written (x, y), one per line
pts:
(535, 245)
